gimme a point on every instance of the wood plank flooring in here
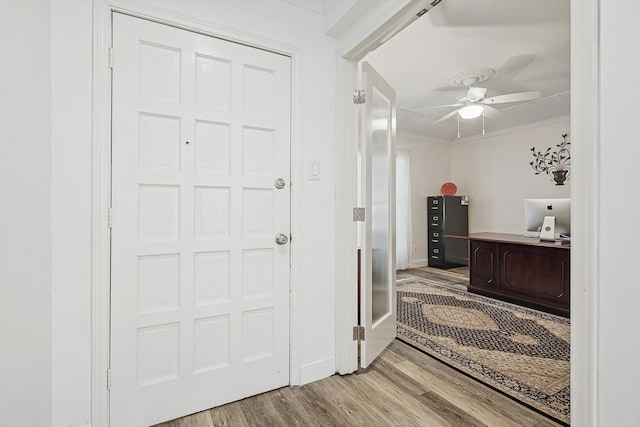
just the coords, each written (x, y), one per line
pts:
(404, 387)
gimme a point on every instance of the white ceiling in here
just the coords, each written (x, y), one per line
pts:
(526, 42)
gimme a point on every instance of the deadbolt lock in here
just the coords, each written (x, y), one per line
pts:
(281, 239)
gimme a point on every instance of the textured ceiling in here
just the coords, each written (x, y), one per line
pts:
(526, 42)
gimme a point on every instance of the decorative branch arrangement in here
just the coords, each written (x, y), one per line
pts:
(556, 163)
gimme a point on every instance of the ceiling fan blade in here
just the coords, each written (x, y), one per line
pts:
(512, 97)
(446, 117)
(491, 112)
(438, 106)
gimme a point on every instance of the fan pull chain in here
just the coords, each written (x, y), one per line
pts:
(482, 122)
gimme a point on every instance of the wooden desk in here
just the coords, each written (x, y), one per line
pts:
(521, 270)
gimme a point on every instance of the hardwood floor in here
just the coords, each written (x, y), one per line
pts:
(404, 387)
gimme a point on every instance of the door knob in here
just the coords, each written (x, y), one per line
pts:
(281, 239)
(279, 183)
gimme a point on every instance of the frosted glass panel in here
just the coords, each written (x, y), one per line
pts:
(380, 232)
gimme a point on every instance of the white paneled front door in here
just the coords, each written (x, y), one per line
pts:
(199, 286)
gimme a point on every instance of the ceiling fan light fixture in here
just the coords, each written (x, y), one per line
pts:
(471, 111)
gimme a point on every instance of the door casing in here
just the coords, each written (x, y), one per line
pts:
(585, 191)
(101, 188)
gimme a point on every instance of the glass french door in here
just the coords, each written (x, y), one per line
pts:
(377, 192)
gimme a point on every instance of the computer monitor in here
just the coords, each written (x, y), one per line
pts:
(536, 209)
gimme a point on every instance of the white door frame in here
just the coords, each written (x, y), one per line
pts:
(101, 187)
(585, 194)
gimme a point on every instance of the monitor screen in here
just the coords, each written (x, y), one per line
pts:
(536, 209)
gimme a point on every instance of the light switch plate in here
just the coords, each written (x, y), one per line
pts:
(314, 170)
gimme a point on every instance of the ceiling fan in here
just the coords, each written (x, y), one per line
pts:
(475, 104)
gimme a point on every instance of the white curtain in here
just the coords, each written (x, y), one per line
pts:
(403, 211)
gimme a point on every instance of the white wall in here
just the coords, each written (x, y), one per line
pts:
(495, 172)
(71, 210)
(618, 372)
(430, 164)
(25, 214)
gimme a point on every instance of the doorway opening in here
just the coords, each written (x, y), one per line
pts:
(580, 254)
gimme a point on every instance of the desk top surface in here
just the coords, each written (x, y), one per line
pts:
(517, 239)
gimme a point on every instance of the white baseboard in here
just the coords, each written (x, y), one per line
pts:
(415, 263)
(314, 371)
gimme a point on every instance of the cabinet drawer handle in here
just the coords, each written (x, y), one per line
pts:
(435, 240)
(435, 257)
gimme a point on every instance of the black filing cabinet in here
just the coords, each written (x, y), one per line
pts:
(448, 231)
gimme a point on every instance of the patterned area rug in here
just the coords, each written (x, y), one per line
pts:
(522, 352)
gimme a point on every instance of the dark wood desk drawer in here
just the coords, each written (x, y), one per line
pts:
(532, 274)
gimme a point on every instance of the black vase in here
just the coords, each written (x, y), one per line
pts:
(560, 176)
